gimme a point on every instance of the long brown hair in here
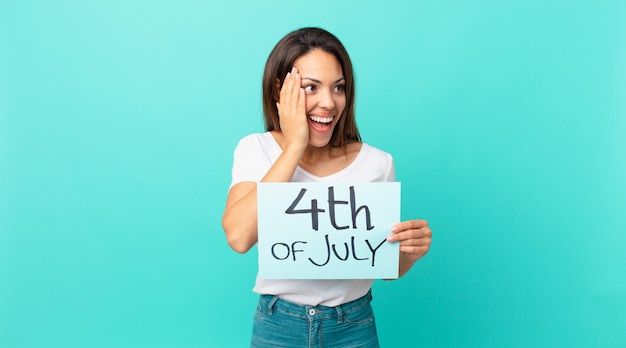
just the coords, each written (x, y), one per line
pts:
(280, 61)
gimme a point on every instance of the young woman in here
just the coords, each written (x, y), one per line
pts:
(308, 104)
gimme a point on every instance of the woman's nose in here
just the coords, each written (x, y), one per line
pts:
(326, 100)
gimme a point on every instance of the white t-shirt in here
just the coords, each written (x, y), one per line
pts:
(253, 158)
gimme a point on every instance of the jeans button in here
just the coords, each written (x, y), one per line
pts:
(311, 311)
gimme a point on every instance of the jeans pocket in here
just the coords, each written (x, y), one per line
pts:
(361, 315)
(261, 308)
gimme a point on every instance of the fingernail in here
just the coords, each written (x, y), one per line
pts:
(390, 239)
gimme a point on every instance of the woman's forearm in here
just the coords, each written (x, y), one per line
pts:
(240, 216)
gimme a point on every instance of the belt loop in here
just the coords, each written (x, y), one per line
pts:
(270, 305)
(339, 314)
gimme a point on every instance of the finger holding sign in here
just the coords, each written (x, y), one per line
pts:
(414, 237)
(292, 111)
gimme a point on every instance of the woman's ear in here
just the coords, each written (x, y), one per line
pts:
(277, 91)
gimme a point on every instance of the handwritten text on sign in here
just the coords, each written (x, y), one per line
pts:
(327, 230)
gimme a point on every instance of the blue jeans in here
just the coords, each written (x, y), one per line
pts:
(279, 323)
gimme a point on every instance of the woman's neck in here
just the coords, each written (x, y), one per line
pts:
(314, 154)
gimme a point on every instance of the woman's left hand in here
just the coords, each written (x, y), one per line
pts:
(414, 237)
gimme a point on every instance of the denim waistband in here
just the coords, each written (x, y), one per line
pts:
(275, 303)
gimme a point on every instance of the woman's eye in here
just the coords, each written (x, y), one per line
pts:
(340, 88)
(308, 89)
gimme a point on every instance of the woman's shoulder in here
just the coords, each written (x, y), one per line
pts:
(257, 144)
(374, 153)
(256, 138)
(259, 141)
(373, 164)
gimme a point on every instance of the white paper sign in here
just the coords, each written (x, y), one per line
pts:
(327, 230)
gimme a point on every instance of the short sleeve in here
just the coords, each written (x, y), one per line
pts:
(250, 163)
(391, 174)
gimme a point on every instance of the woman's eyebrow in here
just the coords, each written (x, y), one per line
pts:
(318, 81)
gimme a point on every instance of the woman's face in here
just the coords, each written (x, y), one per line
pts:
(324, 88)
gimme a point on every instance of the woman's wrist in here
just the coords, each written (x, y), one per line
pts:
(294, 151)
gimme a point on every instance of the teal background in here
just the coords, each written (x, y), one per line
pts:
(507, 121)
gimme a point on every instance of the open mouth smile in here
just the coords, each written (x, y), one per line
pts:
(321, 124)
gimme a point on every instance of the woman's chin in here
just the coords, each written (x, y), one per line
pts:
(319, 140)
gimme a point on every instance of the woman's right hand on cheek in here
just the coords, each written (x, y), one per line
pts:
(292, 112)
